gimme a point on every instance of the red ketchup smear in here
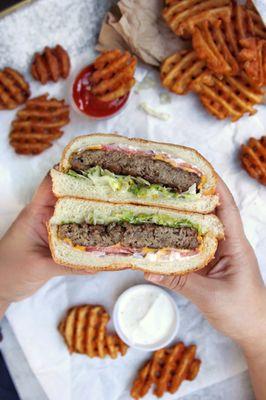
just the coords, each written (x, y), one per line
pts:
(89, 104)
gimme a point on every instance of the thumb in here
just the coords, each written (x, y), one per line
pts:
(195, 287)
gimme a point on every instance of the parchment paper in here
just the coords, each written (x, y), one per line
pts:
(35, 320)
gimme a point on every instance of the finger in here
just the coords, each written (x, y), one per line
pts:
(228, 211)
(195, 287)
(44, 196)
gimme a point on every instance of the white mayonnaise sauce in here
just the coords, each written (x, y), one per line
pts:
(146, 315)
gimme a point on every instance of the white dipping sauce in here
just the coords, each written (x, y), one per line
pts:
(146, 315)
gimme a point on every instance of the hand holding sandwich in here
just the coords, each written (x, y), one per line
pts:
(230, 291)
(25, 260)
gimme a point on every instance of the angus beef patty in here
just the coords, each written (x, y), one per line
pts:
(137, 165)
(136, 236)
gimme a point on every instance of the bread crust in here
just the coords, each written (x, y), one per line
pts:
(210, 191)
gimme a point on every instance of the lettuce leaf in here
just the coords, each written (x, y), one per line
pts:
(75, 174)
(138, 186)
(129, 216)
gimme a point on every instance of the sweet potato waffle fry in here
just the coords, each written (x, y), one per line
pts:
(14, 90)
(182, 15)
(253, 158)
(229, 97)
(180, 69)
(84, 331)
(253, 58)
(51, 65)
(38, 124)
(167, 369)
(114, 75)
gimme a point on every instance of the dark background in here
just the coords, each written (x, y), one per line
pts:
(8, 5)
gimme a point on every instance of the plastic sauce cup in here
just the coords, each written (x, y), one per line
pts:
(146, 317)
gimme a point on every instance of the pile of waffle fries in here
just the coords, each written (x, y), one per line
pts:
(226, 66)
(84, 330)
(38, 124)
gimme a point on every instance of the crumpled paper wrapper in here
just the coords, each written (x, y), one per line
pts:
(137, 25)
(35, 320)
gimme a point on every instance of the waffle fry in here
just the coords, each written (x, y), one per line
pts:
(180, 69)
(38, 124)
(182, 15)
(217, 42)
(229, 97)
(51, 65)
(167, 369)
(253, 57)
(214, 44)
(253, 158)
(259, 26)
(113, 76)
(84, 332)
(14, 90)
(241, 24)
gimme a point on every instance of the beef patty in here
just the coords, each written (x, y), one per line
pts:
(137, 165)
(137, 236)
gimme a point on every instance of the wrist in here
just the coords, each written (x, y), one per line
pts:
(255, 348)
(253, 343)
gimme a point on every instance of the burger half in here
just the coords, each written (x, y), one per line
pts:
(95, 236)
(120, 170)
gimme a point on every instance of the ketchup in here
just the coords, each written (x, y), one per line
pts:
(89, 104)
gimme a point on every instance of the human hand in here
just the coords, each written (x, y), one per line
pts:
(230, 290)
(25, 259)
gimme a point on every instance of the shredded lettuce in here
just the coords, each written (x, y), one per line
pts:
(129, 216)
(138, 186)
(75, 174)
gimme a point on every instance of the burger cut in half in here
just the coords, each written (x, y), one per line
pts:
(95, 236)
(120, 170)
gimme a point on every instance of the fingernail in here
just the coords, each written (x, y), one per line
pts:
(155, 278)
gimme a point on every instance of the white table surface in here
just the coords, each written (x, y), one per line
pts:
(45, 19)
